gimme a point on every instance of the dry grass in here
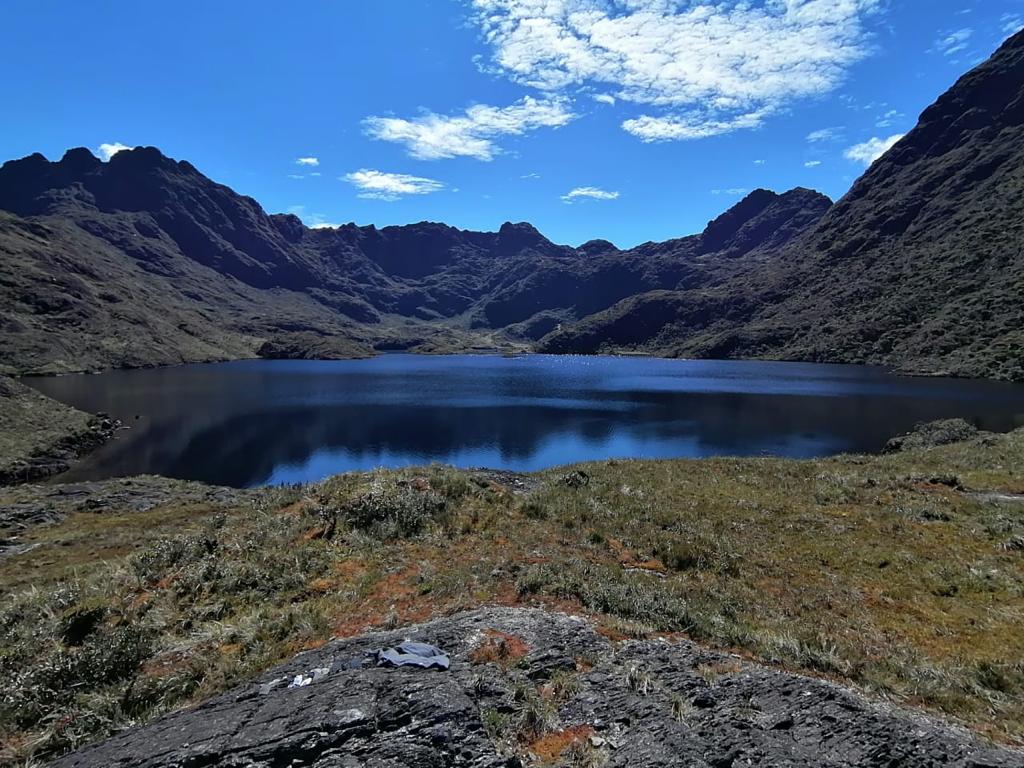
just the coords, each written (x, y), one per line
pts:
(879, 571)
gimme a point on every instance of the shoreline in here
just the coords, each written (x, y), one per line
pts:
(500, 352)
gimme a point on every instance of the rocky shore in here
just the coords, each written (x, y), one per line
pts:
(40, 437)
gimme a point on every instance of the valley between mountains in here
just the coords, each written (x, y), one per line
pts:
(145, 261)
(852, 610)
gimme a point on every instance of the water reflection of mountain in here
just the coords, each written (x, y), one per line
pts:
(228, 440)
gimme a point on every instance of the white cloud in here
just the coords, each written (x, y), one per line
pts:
(732, 192)
(530, 176)
(954, 42)
(867, 152)
(107, 151)
(824, 134)
(697, 124)
(760, 162)
(605, 98)
(312, 220)
(315, 173)
(589, 193)
(434, 137)
(812, 163)
(378, 185)
(890, 117)
(312, 162)
(296, 176)
(1012, 24)
(713, 67)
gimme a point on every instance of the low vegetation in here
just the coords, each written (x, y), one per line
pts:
(901, 574)
(39, 436)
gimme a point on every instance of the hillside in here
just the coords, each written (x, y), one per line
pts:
(40, 437)
(919, 266)
(142, 260)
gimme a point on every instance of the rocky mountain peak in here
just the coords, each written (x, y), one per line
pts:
(763, 219)
(519, 236)
(79, 160)
(592, 247)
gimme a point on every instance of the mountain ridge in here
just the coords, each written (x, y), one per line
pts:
(920, 266)
(143, 260)
(142, 220)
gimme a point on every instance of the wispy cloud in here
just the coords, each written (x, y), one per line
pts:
(1012, 23)
(731, 192)
(760, 162)
(378, 185)
(953, 42)
(311, 162)
(889, 118)
(473, 134)
(812, 163)
(605, 98)
(530, 176)
(107, 151)
(695, 125)
(867, 152)
(710, 68)
(589, 193)
(312, 220)
(824, 134)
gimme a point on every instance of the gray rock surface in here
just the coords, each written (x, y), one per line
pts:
(648, 702)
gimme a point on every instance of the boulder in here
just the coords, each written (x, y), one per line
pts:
(575, 695)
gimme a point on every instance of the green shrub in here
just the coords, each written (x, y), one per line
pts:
(391, 511)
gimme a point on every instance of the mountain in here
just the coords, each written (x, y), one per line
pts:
(142, 260)
(920, 265)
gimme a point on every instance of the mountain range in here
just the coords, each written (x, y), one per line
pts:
(142, 260)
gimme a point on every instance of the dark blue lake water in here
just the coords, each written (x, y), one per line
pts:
(259, 422)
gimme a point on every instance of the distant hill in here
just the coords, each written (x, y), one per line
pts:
(142, 260)
(919, 266)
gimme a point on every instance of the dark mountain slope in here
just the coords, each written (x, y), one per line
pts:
(920, 266)
(142, 260)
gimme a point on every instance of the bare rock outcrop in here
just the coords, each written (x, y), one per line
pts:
(528, 685)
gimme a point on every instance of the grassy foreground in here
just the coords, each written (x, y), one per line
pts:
(901, 574)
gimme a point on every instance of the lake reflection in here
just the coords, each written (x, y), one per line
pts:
(258, 422)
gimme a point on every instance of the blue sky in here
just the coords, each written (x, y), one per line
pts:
(629, 120)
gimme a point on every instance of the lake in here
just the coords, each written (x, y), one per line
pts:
(263, 422)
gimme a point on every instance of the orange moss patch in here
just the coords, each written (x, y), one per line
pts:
(296, 508)
(396, 596)
(629, 559)
(166, 581)
(350, 568)
(499, 648)
(320, 586)
(325, 531)
(551, 746)
(719, 669)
